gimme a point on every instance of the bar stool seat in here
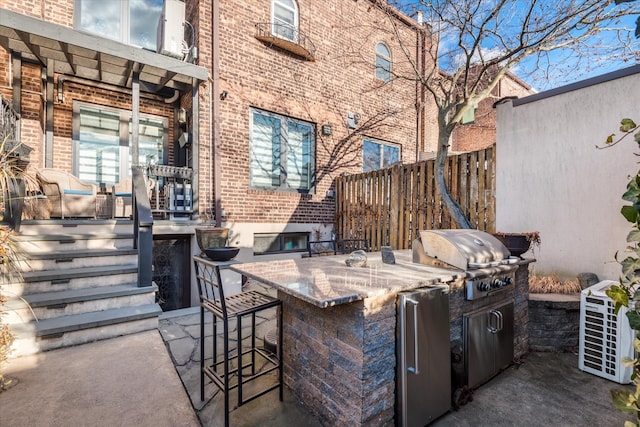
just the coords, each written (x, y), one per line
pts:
(242, 363)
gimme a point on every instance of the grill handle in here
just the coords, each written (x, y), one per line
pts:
(415, 369)
(496, 321)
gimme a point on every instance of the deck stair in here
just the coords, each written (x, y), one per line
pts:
(78, 284)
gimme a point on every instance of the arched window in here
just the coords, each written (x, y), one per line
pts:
(284, 19)
(383, 62)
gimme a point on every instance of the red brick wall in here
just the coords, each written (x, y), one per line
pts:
(341, 79)
(482, 133)
(57, 11)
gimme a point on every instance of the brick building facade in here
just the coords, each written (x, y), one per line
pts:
(480, 130)
(336, 79)
(333, 89)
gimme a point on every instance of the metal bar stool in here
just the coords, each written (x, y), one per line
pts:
(244, 360)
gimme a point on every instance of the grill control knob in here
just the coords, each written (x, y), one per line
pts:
(483, 286)
(496, 283)
(507, 280)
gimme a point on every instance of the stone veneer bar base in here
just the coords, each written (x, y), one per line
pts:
(340, 361)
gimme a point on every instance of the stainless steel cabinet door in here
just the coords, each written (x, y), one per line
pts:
(504, 337)
(488, 342)
(424, 356)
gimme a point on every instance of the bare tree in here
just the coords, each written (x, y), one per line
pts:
(481, 40)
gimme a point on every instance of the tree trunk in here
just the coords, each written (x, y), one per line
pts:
(452, 206)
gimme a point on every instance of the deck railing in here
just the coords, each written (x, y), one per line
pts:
(9, 123)
(142, 228)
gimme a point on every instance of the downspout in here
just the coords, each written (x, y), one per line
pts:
(423, 67)
(215, 101)
(418, 97)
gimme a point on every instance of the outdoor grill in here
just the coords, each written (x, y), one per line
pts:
(488, 307)
(489, 266)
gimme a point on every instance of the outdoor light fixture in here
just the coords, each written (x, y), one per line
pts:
(181, 116)
(352, 119)
(223, 95)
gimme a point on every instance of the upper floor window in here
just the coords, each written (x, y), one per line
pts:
(377, 155)
(284, 19)
(383, 62)
(133, 22)
(281, 152)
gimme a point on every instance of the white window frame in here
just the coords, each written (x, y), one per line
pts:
(124, 34)
(382, 73)
(382, 145)
(281, 169)
(124, 140)
(279, 26)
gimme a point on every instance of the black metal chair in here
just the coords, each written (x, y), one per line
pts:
(347, 246)
(238, 365)
(322, 247)
(339, 246)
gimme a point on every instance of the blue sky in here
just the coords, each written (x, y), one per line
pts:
(560, 67)
(564, 72)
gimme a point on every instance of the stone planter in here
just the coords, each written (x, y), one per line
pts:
(517, 243)
(211, 237)
(554, 322)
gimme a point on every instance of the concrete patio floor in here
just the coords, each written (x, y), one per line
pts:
(545, 389)
(152, 379)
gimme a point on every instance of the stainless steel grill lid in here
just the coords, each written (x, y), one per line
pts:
(463, 249)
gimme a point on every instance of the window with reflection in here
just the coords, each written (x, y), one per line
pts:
(271, 243)
(102, 135)
(383, 62)
(284, 19)
(133, 22)
(378, 155)
(281, 152)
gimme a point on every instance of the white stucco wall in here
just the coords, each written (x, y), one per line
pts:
(551, 178)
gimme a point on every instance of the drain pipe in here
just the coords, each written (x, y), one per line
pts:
(215, 101)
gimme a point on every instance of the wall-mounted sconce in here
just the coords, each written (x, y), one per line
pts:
(181, 116)
(326, 130)
(223, 95)
(331, 194)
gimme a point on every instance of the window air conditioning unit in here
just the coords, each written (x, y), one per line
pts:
(605, 338)
(171, 29)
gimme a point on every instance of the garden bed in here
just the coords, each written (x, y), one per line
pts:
(554, 314)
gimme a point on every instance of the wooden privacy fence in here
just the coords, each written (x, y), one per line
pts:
(390, 206)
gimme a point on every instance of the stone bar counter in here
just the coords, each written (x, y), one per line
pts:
(339, 328)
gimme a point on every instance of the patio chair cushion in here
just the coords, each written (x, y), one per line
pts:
(79, 192)
(69, 196)
(122, 203)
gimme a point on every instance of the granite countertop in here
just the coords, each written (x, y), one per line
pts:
(326, 281)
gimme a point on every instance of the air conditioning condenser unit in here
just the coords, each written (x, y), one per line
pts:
(605, 337)
(171, 29)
